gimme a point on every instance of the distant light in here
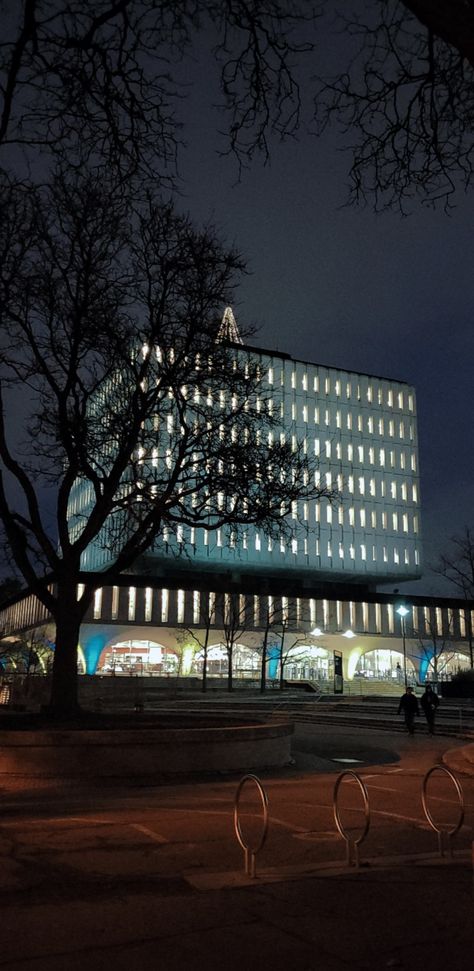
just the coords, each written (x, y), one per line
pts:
(317, 632)
(348, 633)
(402, 610)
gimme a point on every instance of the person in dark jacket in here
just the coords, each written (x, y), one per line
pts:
(429, 702)
(409, 706)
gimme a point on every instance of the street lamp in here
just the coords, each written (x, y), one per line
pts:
(402, 612)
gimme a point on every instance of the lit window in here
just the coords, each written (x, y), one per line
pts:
(341, 551)
(351, 516)
(148, 604)
(373, 519)
(305, 382)
(410, 402)
(329, 514)
(360, 423)
(338, 388)
(360, 453)
(98, 604)
(294, 546)
(396, 557)
(115, 603)
(362, 518)
(414, 493)
(293, 379)
(370, 393)
(390, 398)
(340, 515)
(164, 606)
(350, 452)
(372, 487)
(196, 606)
(316, 383)
(270, 375)
(180, 607)
(350, 483)
(381, 426)
(363, 551)
(391, 428)
(382, 457)
(329, 549)
(395, 521)
(393, 489)
(348, 389)
(327, 386)
(405, 522)
(361, 485)
(370, 424)
(132, 600)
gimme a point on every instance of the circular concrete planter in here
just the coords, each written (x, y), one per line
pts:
(144, 751)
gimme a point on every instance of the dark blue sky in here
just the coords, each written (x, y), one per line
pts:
(383, 294)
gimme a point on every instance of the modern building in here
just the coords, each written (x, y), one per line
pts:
(311, 598)
(362, 431)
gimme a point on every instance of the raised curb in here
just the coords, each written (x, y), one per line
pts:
(460, 759)
(145, 751)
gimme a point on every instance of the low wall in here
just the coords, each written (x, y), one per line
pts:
(144, 751)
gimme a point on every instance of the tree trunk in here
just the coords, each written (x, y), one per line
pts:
(263, 668)
(229, 667)
(64, 700)
(204, 663)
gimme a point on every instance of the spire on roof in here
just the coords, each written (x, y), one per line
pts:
(228, 330)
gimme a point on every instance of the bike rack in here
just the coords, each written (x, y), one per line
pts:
(250, 852)
(441, 832)
(352, 846)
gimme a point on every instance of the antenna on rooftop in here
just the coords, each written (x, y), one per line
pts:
(228, 330)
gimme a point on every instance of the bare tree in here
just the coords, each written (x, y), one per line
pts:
(404, 99)
(104, 80)
(140, 421)
(201, 636)
(433, 645)
(457, 566)
(102, 83)
(233, 610)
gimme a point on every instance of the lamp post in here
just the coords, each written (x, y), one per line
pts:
(402, 612)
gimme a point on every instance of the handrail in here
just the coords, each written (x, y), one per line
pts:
(351, 844)
(442, 831)
(250, 852)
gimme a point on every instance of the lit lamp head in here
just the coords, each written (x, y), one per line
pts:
(316, 632)
(402, 611)
(348, 633)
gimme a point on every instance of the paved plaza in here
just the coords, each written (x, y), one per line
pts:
(152, 877)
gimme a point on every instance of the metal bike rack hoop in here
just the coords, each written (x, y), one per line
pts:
(442, 830)
(250, 852)
(349, 841)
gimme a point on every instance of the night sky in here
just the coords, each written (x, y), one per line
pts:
(377, 293)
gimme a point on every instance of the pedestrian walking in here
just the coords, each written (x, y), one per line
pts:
(409, 706)
(429, 702)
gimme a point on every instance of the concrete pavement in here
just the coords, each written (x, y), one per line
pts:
(152, 878)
